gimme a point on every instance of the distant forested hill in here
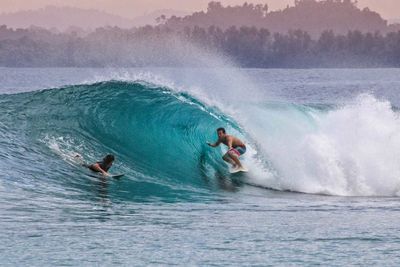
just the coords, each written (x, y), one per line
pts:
(311, 16)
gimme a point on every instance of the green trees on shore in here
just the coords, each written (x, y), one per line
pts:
(152, 46)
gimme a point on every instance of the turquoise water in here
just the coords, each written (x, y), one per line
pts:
(323, 156)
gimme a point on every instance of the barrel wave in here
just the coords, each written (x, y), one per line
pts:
(159, 138)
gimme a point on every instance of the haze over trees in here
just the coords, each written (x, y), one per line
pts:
(252, 41)
(63, 18)
(311, 16)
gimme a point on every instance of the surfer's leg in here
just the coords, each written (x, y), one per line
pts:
(235, 158)
(228, 159)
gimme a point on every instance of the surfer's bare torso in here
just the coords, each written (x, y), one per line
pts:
(231, 141)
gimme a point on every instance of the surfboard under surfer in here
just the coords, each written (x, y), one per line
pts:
(236, 148)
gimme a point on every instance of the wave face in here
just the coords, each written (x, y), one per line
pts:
(159, 138)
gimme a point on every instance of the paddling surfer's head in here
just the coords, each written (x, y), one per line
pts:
(108, 160)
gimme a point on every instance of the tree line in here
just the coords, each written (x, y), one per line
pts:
(311, 16)
(253, 47)
(161, 46)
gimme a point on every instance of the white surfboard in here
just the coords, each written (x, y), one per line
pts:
(238, 170)
(99, 175)
(117, 175)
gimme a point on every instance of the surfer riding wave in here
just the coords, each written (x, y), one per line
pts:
(236, 148)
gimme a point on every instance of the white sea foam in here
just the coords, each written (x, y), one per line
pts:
(353, 150)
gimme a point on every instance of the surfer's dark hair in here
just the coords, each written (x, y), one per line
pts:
(221, 129)
(109, 158)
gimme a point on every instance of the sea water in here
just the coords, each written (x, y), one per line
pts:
(323, 153)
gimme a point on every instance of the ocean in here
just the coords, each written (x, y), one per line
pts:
(323, 156)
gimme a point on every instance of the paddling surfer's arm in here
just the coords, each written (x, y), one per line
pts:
(96, 167)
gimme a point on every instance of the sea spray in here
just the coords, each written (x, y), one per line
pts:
(350, 150)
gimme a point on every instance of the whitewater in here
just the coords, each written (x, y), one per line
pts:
(323, 153)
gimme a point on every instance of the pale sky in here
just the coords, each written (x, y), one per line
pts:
(132, 8)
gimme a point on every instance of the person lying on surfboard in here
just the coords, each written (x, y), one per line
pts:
(236, 148)
(102, 166)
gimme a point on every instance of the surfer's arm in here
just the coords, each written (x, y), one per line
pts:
(96, 167)
(215, 144)
(229, 142)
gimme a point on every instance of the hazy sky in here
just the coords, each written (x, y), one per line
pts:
(132, 8)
